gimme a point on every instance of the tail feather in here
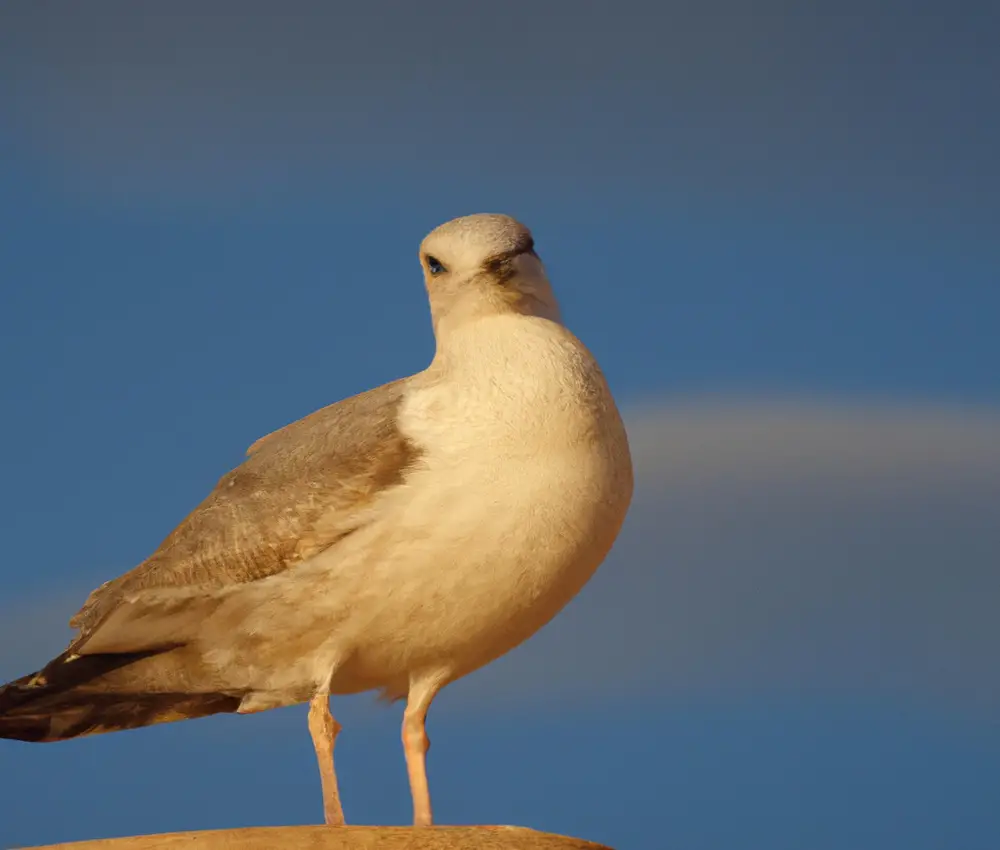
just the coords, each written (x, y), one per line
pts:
(75, 695)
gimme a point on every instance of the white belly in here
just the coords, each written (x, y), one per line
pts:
(468, 574)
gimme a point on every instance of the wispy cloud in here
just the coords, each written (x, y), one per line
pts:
(789, 545)
(796, 546)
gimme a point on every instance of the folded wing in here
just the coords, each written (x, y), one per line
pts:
(300, 490)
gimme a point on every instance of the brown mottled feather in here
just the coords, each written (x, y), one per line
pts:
(73, 696)
(265, 515)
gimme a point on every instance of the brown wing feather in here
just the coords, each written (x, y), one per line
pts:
(264, 516)
(74, 696)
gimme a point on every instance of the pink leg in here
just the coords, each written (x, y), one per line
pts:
(415, 747)
(323, 729)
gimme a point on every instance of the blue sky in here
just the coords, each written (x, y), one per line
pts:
(777, 231)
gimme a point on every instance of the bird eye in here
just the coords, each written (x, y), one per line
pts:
(434, 265)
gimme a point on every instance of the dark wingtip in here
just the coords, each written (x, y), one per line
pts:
(64, 700)
(33, 730)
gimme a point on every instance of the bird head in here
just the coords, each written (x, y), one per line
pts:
(483, 265)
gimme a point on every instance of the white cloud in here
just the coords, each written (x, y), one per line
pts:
(772, 545)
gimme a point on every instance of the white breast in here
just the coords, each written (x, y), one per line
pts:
(523, 486)
(524, 383)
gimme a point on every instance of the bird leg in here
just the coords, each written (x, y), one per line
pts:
(324, 729)
(415, 747)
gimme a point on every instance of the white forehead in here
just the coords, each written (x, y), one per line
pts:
(473, 238)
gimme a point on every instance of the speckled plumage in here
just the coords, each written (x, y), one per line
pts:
(396, 540)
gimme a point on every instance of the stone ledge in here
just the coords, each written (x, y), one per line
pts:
(342, 838)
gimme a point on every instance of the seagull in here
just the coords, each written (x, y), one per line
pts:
(394, 541)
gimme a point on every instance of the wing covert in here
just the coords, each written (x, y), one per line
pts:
(263, 516)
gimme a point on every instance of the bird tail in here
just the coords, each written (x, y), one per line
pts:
(77, 695)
